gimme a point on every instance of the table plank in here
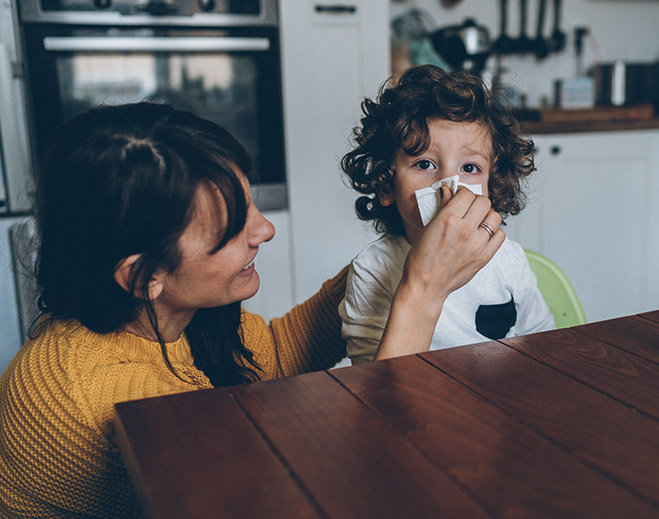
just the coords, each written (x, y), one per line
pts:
(628, 378)
(653, 316)
(351, 463)
(619, 441)
(634, 334)
(183, 473)
(512, 469)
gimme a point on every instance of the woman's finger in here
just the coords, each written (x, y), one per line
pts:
(494, 243)
(458, 203)
(490, 224)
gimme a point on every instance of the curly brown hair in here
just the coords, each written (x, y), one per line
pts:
(398, 119)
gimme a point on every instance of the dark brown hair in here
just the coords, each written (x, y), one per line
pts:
(398, 119)
(121, 180)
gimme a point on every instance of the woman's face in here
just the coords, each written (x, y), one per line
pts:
(206, 279)
(456, 148)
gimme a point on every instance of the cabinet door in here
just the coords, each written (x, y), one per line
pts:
(333, 55)
(651, 229)
(590, 211)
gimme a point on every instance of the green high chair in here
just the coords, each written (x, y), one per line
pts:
(557, 291)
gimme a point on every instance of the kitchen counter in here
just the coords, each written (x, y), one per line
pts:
(600, 119)
(554, 127)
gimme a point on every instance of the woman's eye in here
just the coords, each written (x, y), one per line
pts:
(424, 164)
(470, 168)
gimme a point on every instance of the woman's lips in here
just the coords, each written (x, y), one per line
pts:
(248, 269)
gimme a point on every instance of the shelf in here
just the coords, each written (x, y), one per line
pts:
(601, 119)
(545, 128)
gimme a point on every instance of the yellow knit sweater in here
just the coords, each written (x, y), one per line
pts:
(58, 454)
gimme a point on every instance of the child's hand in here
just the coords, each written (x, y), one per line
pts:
(452, 248)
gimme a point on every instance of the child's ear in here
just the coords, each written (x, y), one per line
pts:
(124, 274)
(385, 195)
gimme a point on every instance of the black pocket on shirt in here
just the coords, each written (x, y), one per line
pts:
(495, 321)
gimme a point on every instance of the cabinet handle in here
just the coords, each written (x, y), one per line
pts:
(336, 9)
(555, 150)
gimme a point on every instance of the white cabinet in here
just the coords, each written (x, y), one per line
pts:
(593, 210)
(275, 295)
(333, 55)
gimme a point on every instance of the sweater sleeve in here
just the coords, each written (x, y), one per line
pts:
(59, 456)
(308, 338)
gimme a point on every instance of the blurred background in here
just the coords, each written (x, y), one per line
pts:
(288, 76)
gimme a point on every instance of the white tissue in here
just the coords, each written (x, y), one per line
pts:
(428, 198)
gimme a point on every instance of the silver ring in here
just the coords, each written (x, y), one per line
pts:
(489, 229)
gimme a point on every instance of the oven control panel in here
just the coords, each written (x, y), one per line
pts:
(131, 12)
(156, 7)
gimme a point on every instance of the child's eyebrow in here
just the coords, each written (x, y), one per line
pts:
(474, 151)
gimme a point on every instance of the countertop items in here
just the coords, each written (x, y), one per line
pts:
(558, 424)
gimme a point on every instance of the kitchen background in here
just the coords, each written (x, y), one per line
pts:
(616, 30)
(591, 206)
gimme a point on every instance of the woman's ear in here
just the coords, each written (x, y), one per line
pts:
(385, 195)
(124, 274)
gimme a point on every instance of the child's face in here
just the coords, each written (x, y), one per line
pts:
(456, 148)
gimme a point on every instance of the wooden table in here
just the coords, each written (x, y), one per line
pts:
(559, 424)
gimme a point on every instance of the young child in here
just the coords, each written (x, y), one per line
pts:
(435, 127)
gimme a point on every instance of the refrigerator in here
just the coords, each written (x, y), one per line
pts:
(17, 296)
(16, 190)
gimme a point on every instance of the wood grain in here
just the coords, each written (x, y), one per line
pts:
(515, 471)
(351, 464)
(636, 334)
(652, 316)
(535, 128)
(628, 378)
(175, 460)
(619, 441)
(558, 424)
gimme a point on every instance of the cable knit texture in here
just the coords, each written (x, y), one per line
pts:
(58, 453)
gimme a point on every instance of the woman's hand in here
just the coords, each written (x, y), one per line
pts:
(452, 248)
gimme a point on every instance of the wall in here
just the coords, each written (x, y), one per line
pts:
(619, 29)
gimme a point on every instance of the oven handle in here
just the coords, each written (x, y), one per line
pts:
(153, 44)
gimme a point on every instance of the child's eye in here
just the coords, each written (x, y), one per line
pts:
(470, 168)
(424, 164)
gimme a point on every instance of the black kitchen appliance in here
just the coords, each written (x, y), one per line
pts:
(217, 58)
(463, 46)
(621, 83)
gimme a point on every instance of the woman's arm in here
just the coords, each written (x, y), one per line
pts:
(451, 249)
(308, 338)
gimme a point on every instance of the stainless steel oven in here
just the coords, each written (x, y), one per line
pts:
(217, 58)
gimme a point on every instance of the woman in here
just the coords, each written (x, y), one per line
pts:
(147, 240)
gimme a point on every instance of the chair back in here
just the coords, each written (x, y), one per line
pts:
(557, 291)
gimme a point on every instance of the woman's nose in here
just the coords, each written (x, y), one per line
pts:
(261, 230)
